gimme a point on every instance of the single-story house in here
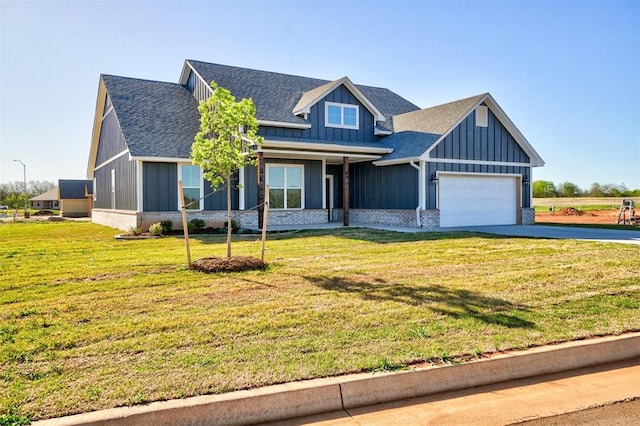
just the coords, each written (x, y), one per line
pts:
(46, 201)
(76, 197)
(332, 151)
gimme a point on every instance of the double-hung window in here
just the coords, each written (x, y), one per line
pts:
(191, 184)
(285, 186)
(344, 116)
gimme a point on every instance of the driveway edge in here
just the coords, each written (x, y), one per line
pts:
(299, 399)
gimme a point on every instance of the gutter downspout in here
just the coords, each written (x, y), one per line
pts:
(420, 191)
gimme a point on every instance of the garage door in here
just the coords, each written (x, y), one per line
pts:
(475, 200)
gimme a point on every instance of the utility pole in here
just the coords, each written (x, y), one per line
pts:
(24, 169)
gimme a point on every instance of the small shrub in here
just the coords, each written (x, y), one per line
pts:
(196, 225)
(234, 225)
(135, 230)
(156, 229)
(13, 417)
(167, 226)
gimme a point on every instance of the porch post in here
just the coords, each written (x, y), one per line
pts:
(345, 195)
(260, 173)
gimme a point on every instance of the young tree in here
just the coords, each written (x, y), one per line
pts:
(569, 189)
(543, 189)
(225, 142)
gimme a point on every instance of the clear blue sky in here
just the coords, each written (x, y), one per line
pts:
(566, 72)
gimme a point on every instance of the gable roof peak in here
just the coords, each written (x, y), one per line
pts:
(311, 97)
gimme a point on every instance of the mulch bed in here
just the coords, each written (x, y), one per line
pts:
(224, 264)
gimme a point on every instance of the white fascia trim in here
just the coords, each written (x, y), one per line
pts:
(377, 115)
(321, 155)
(511, 175)
(107, 113)
(325, 147)
(115, 157)
(184, 77)
(162, 159)
(378, 132)
(478, 162)
(536, 160)
(97, 128)
(396, 162)
(425, 156)
(270, 123)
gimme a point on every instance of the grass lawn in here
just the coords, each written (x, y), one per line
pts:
(88, 322)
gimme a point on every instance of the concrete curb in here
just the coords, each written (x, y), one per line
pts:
(318, 396)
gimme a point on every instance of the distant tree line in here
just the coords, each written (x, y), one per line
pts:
(12, 193)
(547, 189)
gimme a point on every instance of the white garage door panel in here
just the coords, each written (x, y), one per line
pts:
(477, 200)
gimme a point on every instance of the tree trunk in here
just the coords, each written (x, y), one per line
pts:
(229, 227)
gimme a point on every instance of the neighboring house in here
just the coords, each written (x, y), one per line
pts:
(332, 151)
(76, 197)
(46, 201)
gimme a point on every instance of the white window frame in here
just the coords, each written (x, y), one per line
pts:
(287, 166)
(342, 107)
(200, 187)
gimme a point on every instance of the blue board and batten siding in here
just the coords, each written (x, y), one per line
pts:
(470, 142)
(125, 188)
(372, 187)
(319, 131)
(365, 133)
(201, 90)
(112, 144)
(112, 141)
(160, 181)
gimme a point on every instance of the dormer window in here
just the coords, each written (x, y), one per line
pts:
(342, 116)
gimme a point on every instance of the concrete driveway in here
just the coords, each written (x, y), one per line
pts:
(529, 231)
(557, 232)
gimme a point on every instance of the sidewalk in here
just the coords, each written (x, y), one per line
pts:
(501, 404)
(367, 394)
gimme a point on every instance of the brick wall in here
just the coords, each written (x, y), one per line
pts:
(403, 218)
(528, 216)
(430, 218)
(119, 219)
(215, 219)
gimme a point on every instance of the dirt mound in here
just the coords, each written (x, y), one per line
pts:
(570, 211)
(224, 264)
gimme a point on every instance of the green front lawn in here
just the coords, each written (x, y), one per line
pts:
(88, 322)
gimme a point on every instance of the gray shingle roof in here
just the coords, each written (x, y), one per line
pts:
(417, 131)
(73, 189)
(50, 195)
(437, 119)
(158, 119)
(276, 95)
(408, 144)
